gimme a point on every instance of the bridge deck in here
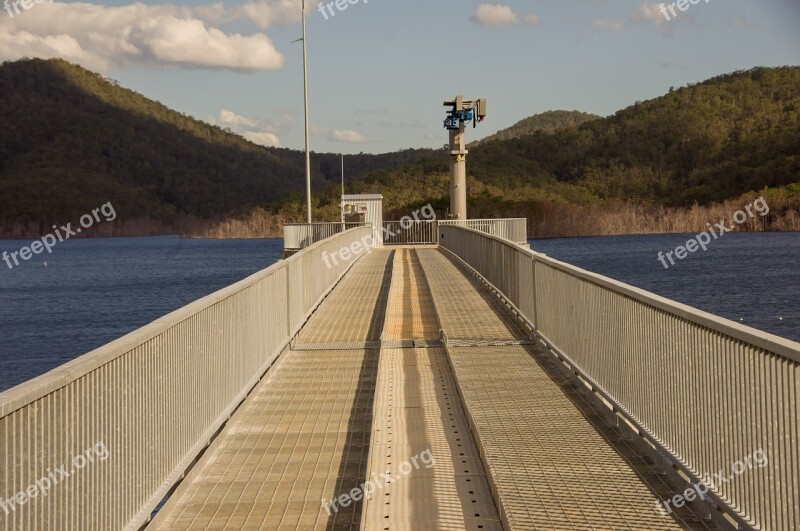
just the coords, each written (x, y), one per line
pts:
(369, 397)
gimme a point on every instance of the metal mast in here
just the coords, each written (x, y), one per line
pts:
(461, 112)
(305, 102)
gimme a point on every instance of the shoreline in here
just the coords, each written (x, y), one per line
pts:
(198, 237)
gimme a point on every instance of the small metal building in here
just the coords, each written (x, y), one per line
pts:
(365, 208)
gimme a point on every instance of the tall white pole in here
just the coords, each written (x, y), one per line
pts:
(341, 205)
(458, 174)
(305, 101)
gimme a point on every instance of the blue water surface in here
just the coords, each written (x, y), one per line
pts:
(751, 278)
(88, 292)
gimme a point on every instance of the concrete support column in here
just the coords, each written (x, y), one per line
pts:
(458, 174)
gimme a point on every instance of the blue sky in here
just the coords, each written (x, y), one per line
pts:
(379, 70)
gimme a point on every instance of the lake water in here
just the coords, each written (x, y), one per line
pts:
(751, 278)
(95, 290)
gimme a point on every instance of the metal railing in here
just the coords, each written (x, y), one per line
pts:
(706, 391)
(301, 235)
(512, 229)
(153, 398)
(409, 232)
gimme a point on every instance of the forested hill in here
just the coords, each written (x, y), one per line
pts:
(703, 143)
(706, 142)
(70, 140)
(546, 122)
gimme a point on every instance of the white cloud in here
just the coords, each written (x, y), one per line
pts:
(649, 13)
(496, 15)
(231, 118)
(264, 138)
(17, 44)
(317, 130)
(189, 43)
(347, 136)
(266, 13)
(257, 131)
(115, 37)
(209, 13)
(337, 135)
(607, 24)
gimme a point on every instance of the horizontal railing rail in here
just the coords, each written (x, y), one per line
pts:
(512, 229)
(301, 235)
(409, 232)
(710, 393)
(125, 421)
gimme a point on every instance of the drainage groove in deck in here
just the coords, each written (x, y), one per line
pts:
(417, 414)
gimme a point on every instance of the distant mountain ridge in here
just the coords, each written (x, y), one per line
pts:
(71, 140)
(546, 122)
(706, 142)
(671, 163)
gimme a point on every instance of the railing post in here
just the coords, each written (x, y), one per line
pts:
(535, 316)
(288, 302)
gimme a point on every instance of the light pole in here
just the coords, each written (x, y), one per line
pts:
(305, 102)
(341, 204)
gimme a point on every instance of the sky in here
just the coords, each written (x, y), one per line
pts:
(379, 70)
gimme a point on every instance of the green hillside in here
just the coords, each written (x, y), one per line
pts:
(71, 140)
(704, 144)
(546, 122)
